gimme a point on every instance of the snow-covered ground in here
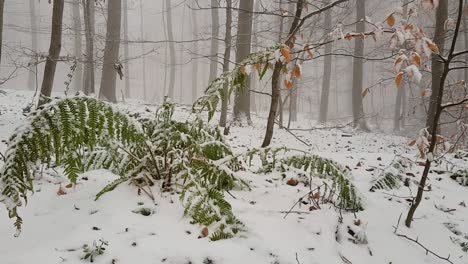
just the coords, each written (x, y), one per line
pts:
(56, 227)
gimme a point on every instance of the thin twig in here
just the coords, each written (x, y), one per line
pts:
(425, 248)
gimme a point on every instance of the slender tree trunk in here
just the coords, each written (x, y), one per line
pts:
(465, 36)
(111, 53)
(437, 66)
(88, 77)
(214, 40)
(195, 61)
(172, 53)
(142, 36)
(54, 51)
(227, 57)
(2, 6)
(400, 98)
(78, 76)
(254, 80)
(243, 44)
(32, 68)
(358, 66)
(275, 89)
(327, 69)
(438, 109)
(398, 106)
(126, 50)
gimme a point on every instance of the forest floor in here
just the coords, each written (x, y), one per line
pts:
(56, 227)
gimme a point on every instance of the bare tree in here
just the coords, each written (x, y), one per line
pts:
(88, 76)
(195, 61)
(111, 52)
(437, 65)
(243, 46)
(54, 51)
(126, 50)
(327, 69)
(78, 76)
(401, 93)
(142, 36)
(214, 40)
(227, 57)
(172, 53)
(358, 66)
(438, 108)
(2, 6)
(32, 75)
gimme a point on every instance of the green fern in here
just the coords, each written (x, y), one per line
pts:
(391, 178)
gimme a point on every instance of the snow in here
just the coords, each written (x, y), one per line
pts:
(56, 227)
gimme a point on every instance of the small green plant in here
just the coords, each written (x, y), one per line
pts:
(91, 252)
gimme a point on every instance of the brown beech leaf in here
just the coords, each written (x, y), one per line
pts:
(286, 52)
(61, 191)
(309, 52)
(242, 69)
(409, 27)
(292, 182)
(297, 72)
(434, 48)
(288, 84)
(416, 59)
(399, 79)
(205, 232)
(258, 66)
(391, 20)
(365, 92)
(412, 143)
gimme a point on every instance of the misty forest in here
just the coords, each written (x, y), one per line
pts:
(234, 131)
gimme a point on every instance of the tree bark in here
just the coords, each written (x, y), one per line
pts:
(327, 69)
(54, 52)
(78, 76)
(214, 40)
(437, 66)
(88, 77)
(438, 108)
(275, 89)
(243, 45)
(465, 36)
(195, 60)
(142, 36)
(358, 66)
(126, 50)
(2, 6)
(111, 53)
(172, 53)
(227, 57)
(32, 75)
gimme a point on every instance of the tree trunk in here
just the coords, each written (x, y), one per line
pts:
(214, 40)
(32, 75)
(142, 36)
(275, 89)
(358, 66)
(111, 52)
(78, 76)
(227, 57)
(88, 77)
(437, 66)
(401, 94)
(465, 36)
(2, 6)
(195, 60)
(54, 51)
(243, 45)
(327, 69)
(172, 53)
(126, 50)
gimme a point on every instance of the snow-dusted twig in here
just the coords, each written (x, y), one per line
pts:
(426, 249)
